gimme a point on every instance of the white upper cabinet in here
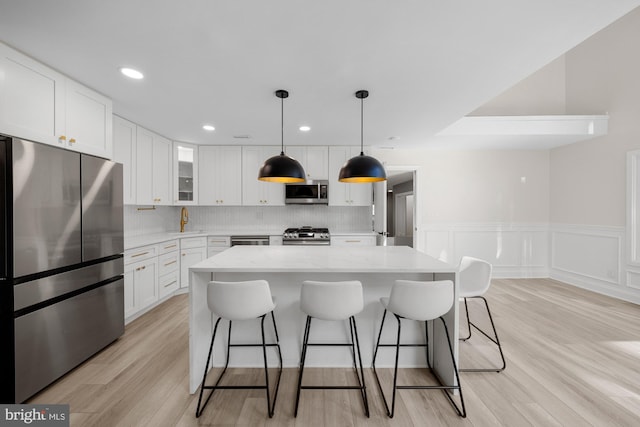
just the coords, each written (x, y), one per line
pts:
(153, 168)
(185, 173)
(344, 194)
(88, 120)
(220, 175)
(255, 192)
(40, 104)
(314, 160)
(124, 151)
(30, 95)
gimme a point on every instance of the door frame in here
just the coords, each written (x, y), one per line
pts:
(417, 206)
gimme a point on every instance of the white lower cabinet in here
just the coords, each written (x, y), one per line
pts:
(168, 268)
(353, 240)
(192, 251)
(150, 273)
(140, 279)
(217, 244)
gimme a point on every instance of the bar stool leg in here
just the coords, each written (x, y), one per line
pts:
(390, 411)
(363, 389)
(461, 412)
(466, 310)
(206, 369)
(303, 356)
(493, 339)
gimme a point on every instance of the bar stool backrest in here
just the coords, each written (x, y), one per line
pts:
(474, 277)
(331, 300)
(419, 300)
(240, 300)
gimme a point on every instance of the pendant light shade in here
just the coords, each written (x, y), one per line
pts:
(362, 169)
(282, 168)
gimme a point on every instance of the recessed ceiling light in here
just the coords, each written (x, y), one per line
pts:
(131, 73)
(209, 128)
(304, 128)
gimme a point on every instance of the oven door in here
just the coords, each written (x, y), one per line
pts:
(249, 240)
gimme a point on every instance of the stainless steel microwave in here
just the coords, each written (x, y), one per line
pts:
(307, 193)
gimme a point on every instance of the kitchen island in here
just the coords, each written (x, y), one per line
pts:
(285, 267)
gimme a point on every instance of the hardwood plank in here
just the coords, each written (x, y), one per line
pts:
(572, 359)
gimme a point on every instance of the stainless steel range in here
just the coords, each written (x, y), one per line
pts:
(306, 236)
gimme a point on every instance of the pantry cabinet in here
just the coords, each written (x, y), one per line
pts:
(153, 168)
(124, 151)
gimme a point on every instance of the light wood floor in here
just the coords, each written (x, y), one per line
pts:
(573, 359)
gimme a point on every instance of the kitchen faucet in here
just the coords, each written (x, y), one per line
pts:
(184, 218)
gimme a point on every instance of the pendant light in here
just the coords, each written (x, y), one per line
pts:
(362, 169)
(282, 168)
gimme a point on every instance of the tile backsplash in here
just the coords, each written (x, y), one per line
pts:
(264, 219)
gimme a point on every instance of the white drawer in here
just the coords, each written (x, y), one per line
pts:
(193, 242)
(223, 241)
(355, 240)
(139, 254)
(166, 247)
(168, 283)
(168, 263)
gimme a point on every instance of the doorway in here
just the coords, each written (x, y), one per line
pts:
(395, 207)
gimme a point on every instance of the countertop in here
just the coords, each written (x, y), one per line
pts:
(323, 259)
(152, 239)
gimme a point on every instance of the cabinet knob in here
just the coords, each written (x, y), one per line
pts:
(62, 138)
(72, 141)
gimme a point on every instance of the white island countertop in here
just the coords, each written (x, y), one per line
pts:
(323, 259)
(285, 268)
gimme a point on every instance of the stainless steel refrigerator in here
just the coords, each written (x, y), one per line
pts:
(61, 266)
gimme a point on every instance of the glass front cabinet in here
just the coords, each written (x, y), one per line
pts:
(185, 171)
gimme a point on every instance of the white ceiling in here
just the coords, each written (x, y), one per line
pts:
(426, 63)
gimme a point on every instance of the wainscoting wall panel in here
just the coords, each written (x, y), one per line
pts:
(515, 250)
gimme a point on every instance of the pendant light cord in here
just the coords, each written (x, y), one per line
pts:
(361, 126)
(282, 126)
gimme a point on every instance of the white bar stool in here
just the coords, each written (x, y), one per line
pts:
(332, 301)
(419, 301)
(241, 301)
(474, 282)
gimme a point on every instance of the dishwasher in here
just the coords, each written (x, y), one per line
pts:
(249, 240)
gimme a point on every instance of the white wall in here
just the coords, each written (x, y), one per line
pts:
(476, 203)
(588, 179)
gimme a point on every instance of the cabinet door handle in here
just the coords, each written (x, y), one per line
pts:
(170, 283)
(140, 254)
(62, 139)
(352, 241)
(170, 246)
(171, 262)
(72, 141)
(184, 254)
(143, 267)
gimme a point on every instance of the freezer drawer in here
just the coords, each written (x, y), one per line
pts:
(53, 340)
(45, 288)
